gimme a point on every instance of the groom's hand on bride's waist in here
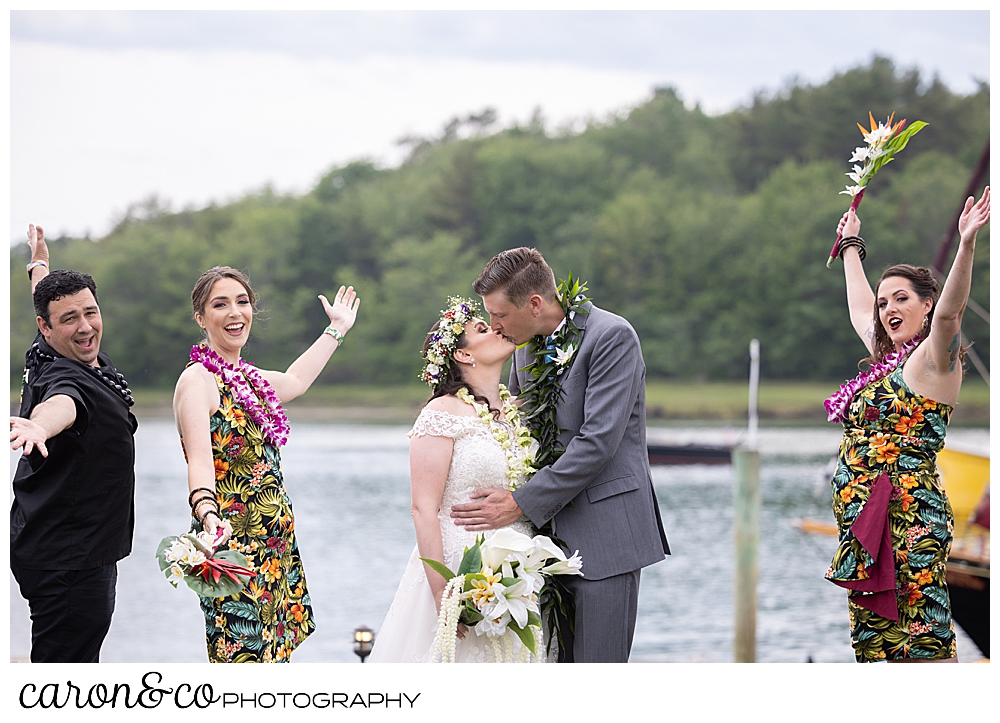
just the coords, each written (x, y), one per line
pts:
(489, 509)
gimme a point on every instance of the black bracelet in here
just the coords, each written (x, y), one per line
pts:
(198, 489)
(855, 241)
(201, 520)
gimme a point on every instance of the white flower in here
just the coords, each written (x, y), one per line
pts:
(503, 542)
(570, 566)
(860, 154)
(493, 627)
(433, 369)
(176, 574)
(858, 174)
(564, 355)
(853, 191)
(516, 600)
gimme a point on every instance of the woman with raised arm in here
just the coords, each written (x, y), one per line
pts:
(894, 517)
(232, 425)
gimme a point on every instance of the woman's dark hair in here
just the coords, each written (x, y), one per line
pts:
(453, 381)
(925, 286)
(58, 284)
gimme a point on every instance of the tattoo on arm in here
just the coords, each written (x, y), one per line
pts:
(871, 332)
(954, 348)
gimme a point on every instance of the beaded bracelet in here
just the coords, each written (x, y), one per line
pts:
(199, 489)
(199, 501)
(35, 264)
(335, 334)
(855, 241)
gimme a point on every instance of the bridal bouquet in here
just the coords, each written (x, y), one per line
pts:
(194, 559)
(495, 592)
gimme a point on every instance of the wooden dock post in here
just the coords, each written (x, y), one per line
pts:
(746, 521)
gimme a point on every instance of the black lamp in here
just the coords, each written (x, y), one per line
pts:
(364, 639)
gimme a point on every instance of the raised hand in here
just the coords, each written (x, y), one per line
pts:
(36, 242)
(975, 215)
(344, 309)
(850, 224)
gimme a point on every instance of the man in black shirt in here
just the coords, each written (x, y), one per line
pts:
(73, 513)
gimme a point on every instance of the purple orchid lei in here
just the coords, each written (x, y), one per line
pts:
(249, 389)
(836, 405)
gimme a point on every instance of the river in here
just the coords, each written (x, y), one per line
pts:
(349, 488)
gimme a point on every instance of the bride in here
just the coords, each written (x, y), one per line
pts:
(453, 451)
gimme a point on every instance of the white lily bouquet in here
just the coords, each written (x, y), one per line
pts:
(495, 593)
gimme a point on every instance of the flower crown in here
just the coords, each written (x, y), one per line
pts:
(444, 339)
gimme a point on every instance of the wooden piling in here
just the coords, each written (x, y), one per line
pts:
(746, 520)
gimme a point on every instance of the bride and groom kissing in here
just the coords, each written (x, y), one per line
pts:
(579, 379)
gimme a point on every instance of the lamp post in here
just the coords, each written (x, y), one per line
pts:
(364, 639)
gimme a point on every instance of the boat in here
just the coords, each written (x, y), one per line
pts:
(666, 454)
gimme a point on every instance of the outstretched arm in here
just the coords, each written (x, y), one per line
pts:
(860, 297)
(944, 339)
(55, 414)
(303, 372)
(39, 254)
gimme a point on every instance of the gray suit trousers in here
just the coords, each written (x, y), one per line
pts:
(605, 617)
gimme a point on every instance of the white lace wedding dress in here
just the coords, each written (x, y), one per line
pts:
(407, 634)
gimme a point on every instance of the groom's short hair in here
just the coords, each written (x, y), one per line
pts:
(520, 273)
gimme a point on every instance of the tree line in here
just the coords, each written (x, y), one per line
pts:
(704, 231)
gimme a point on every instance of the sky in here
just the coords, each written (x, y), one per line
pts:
(110, 108)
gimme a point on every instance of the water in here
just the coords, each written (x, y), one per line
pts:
(349, 488)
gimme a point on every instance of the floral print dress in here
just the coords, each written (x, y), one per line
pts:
(895, 524)
(273, 613)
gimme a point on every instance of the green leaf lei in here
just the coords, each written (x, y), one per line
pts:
(552, 358)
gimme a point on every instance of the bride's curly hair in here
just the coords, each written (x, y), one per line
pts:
(453, 381)
(925, 286)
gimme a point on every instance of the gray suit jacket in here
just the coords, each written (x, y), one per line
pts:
(600, 491)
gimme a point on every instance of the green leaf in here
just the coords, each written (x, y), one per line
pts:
(472, 560)
(533, 619)
(509, 581)
(438, 567)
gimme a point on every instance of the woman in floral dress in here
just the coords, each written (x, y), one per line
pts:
(894, 517)
(232, 425)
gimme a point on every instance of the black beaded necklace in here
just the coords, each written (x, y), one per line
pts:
(115, 381)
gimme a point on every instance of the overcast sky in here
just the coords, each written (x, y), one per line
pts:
(108, 108)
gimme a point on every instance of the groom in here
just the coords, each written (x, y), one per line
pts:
(600, 491)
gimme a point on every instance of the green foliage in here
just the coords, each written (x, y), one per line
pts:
(704, 231)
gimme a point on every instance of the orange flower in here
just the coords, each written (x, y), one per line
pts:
(924, 577)
(271, 570)
(221, 467)
(297, 612)
(907, 500)
(913, 593)
(902, 556)
(886, 452)
(847, 494)
(221, 439)
(907, 481)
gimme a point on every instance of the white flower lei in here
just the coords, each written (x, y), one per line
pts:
(520, 456)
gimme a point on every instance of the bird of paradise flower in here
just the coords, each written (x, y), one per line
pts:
(884, 141)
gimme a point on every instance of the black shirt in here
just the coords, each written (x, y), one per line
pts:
(74, 509)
